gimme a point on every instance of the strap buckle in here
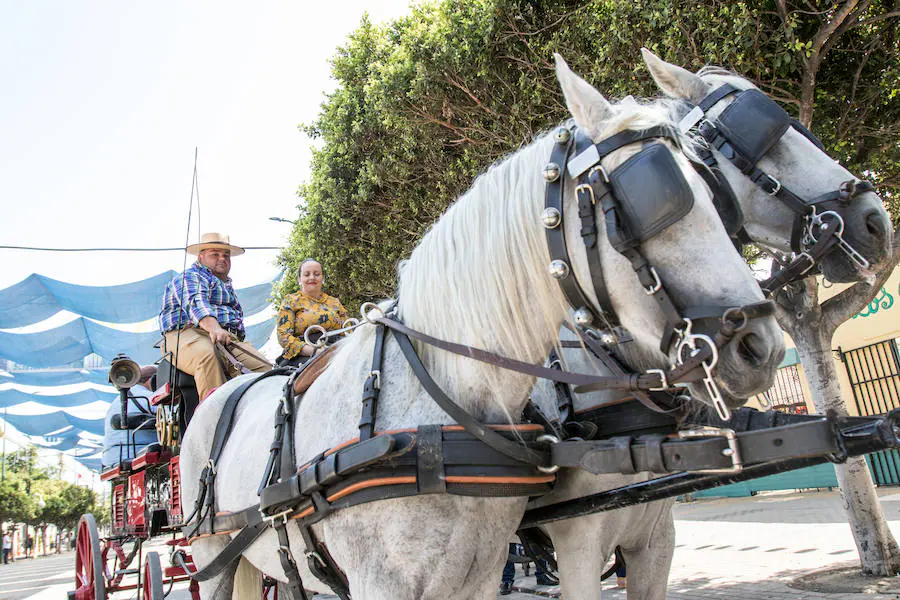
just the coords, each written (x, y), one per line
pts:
(313, 555)
(586, 186)
(657, 284)
(283, 516)
(664, 385)
(376, 379)
(732, 451)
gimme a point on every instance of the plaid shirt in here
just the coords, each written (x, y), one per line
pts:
(204, 295)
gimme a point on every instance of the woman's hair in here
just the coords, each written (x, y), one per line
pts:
(308, 260)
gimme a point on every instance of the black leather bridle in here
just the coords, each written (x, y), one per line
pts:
(639, 199)
(743, 133)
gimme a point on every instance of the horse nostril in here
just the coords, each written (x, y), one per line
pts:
(752, 349)
(876, 225)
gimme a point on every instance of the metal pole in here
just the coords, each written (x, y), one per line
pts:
(3, 456)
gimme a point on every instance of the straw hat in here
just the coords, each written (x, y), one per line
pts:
(214, 240)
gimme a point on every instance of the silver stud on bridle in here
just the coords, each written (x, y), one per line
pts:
(551, 218)
(559, 269)
(551, 171)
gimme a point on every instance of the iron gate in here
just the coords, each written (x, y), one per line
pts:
(874, 372)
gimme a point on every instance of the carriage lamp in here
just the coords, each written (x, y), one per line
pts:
(123, 374)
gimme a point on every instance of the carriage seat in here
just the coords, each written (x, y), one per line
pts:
(312, 369)
(180, 380)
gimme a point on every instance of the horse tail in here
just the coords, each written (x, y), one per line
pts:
(247, 581)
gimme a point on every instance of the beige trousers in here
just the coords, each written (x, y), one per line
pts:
(197, 356)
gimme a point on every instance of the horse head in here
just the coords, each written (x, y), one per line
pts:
(671, 221)
(787, 185)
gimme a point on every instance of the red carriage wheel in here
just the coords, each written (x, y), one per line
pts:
(114, 563)
(89, 582)
(153, 579)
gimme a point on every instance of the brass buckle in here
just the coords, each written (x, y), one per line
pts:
(732, 451)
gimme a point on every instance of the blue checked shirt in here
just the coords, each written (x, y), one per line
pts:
(204, 295)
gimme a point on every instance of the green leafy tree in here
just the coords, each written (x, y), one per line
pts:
(16, 505)
(426, 102)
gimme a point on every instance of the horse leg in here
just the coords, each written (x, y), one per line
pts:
(424, 548)
(580, 556)
(648, 567)
(221, 586)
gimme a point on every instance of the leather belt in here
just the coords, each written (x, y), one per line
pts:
(697, 450)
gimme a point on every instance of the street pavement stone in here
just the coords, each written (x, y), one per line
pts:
(728, 548)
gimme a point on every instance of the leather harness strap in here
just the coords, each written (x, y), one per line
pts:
(630, 382)
(472, 425)
(372, 387)
(708, 451)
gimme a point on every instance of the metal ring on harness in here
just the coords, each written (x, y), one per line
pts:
(737, 312)
(553, 440)
(366, 308)
(351, 322)
(321, 342)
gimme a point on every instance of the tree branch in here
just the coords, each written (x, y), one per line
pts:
(782, 9)
(840, 308)
(463, 88)
(849, 22)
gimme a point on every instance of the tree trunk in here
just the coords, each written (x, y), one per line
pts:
(812, 327)
(878, 551)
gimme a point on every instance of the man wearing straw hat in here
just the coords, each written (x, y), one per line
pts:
(201, 308)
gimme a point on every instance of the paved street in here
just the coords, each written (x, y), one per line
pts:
(27, 577)
(737, 548)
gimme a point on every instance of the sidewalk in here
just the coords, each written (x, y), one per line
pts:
(754, 548)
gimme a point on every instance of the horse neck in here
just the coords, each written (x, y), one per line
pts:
(479, 277)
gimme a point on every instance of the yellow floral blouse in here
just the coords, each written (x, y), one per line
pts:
(299, 312)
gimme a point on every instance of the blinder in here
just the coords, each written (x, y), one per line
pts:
(753, 123)
(652, 192)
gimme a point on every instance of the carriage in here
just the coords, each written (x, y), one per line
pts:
(629, 435)
(145, 490)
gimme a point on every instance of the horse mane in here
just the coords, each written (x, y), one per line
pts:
(479, 276)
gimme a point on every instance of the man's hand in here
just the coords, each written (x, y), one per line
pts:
(215, 331)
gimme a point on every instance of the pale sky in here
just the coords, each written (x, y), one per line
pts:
(103, 103)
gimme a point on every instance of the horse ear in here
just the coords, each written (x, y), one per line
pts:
(673, 80)
(588, 106)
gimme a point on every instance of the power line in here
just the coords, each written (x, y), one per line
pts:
(42, 249)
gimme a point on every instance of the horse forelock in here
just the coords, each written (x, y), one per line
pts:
(478, 276)
(640, 115)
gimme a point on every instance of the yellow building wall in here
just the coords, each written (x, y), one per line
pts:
(879, 321)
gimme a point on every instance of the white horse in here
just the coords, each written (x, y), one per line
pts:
(646, 532)
(478, 277)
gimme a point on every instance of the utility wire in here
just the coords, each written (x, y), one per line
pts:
(42, 249)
